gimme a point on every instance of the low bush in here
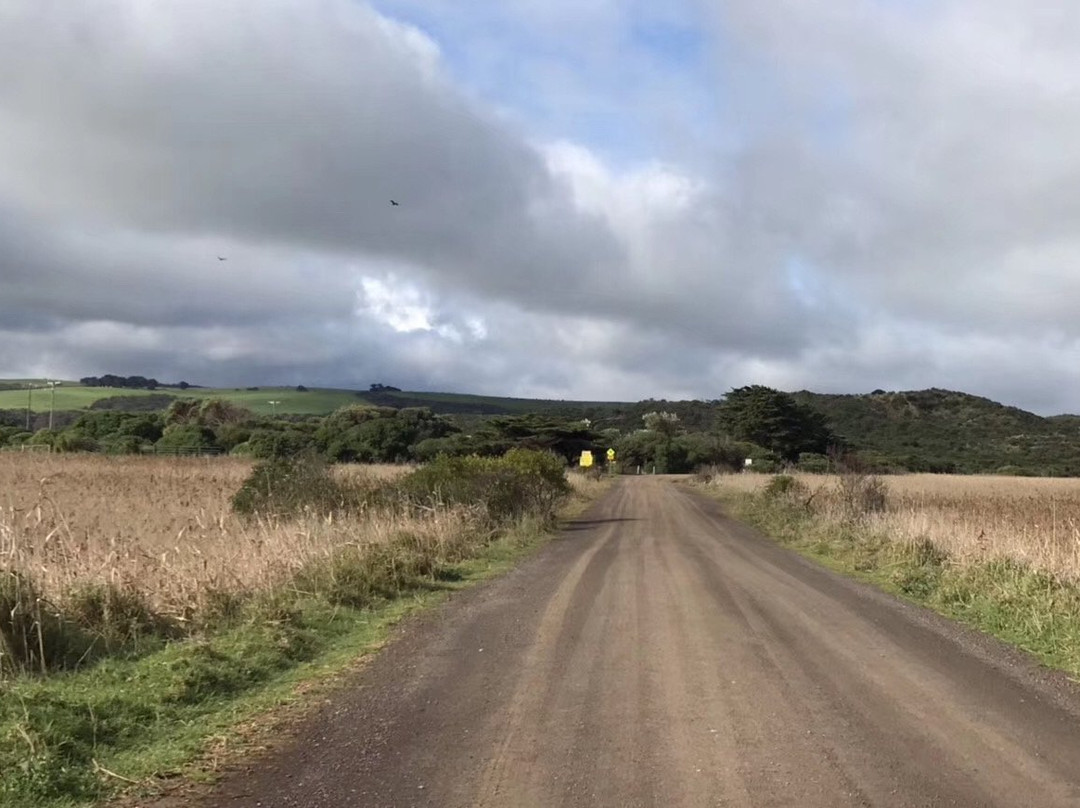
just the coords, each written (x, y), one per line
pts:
(813, 463)
(286, 487)
(861, 495)
(784, 485)
(502, 489)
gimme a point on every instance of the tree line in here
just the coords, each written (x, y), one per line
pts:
(128, 382)
(764, 425)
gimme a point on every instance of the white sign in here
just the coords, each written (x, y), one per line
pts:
(748, 462)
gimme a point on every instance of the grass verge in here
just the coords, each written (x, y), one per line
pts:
(135, 724)
(1032, 610)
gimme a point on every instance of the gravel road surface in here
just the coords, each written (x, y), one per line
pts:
(660, 654)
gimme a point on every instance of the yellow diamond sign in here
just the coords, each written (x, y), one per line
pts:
(611, 455)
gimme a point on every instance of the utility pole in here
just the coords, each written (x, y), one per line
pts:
(29, 393)
(52, 403)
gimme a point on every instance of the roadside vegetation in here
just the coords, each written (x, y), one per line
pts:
(1000, 554)
(147, 604)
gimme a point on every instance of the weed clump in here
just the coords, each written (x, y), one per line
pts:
(38, 636)
(34, 637)
(917, 570)
(118, 618)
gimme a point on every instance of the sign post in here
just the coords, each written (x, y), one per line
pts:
(586, 459)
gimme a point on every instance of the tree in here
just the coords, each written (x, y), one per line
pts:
(566, 437)
(377, 434)
(775, 421)
(188, 438)
(665, 424)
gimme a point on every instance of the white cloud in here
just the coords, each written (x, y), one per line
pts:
(400, 308)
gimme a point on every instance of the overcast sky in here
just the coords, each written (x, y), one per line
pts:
(602, 199)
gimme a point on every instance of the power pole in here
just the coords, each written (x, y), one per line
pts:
(29, 393)
(52, 403)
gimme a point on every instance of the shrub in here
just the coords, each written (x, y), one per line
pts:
(187, 438)
(918, 573)
(813, 463)
(43, 437)
(282, 487)
(783, 485)
(125, 444)
(266, 444)
(504, 489)
(764, 461)
(861, 495)
(545, 476)
(74, 440)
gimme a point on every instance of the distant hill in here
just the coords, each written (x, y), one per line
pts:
(465, 404)
(73, 396)
(70, 395)
(944, 430)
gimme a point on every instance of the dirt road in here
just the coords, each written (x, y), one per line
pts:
(659, 654)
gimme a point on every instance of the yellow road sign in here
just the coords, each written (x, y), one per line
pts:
(611, 455)
(586, 459)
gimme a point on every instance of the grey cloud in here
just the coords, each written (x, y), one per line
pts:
(946, 187)
(57, 272)
(891, 201)
(292, 130)
(279, 122)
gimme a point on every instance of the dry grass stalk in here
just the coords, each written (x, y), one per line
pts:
(163, 527)
(1032, 520)
(586, 486)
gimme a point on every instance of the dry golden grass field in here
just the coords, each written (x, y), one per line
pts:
(1032, 520)
(163, 527)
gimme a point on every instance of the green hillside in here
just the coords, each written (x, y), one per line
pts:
(462, 403)
(73, 396)
(70, 395)
(316, 401)
(944, 430)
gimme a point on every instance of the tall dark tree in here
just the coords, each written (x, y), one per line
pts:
(775, 421)
(563, 436)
